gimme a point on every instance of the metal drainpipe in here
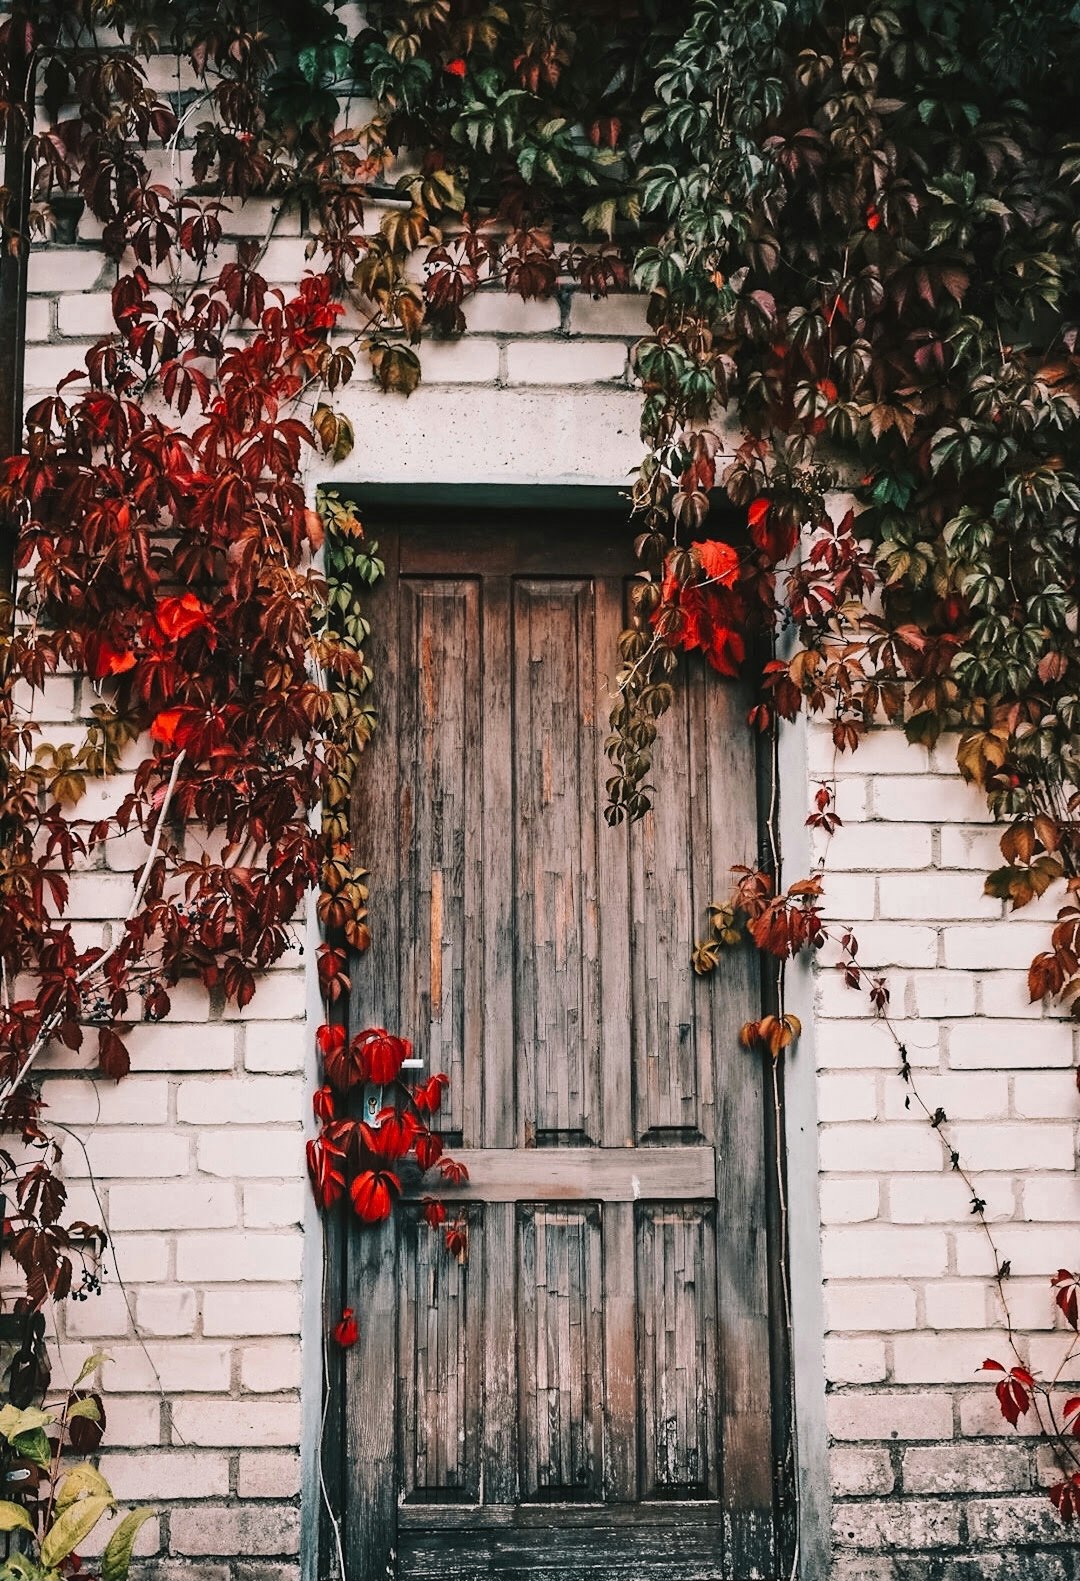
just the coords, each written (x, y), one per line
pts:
(13, 271)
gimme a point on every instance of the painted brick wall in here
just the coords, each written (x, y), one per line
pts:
(927, 1477)
(197, 1156)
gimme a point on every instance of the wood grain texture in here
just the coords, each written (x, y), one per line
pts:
(557, 969)
(677, 1350)
(590, 1394)
(438, 705)
(577, 1174)
(439, 1360)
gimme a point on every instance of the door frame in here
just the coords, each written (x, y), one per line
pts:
(798, 1378)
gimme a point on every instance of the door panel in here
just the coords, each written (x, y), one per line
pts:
(590, 1392)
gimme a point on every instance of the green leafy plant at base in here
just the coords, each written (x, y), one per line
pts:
(64, 1504)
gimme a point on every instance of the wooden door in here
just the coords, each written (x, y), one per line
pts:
(590, 1393)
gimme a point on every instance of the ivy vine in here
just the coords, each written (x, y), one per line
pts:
(858, 239)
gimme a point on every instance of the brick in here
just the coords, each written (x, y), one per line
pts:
(855, 1360)
(467, 361)
(167, 1474)
(1053, 1199)
(955, 1303)
(275, 1046)
(499, 313)
(271, 1207)
(55, 699)
(198, 1204)
(845, 1097)
(39, 319)
(100, 897)
(68, 269)
(99, 1316)
(221, 1424)
(869, 1305)
(47, 365)
(872, 1250)
(621, 314)
(147, 1542)
(131, 1153)
(200, 1368)
(861, 1471)
(945, 1199)
(978, 849)
(140, 1259)
(234, 1529)
(547, 363)
(849, 1201)
(942, 1358)
(962, 1468)
(849, 897)
(253, 1100)
(182, 1048)
(255, 1310)
(859, 1043)
(1006, 944)
(1017, 1520)
(912, 1523)
(1030, 1248)
(980, 1414)
(279, 996)
(1010, 1045)
(170, 1310)
(897, 944)
(85, 313)
(1044, 1095)
(852, 799)
(970, 1095)
(857, 1148)
(1005, 994)
(272, 1368)
(133, 1422)
(1015, 1147)
(929, 798)
(935, 895)
(282, 260)
(268, 1476)
(250, 1154)
(941, 993)
(864, 846)
(137, 1100)
(861, 1567)
(261, 1255)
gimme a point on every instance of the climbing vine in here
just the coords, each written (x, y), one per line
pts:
(858, 237)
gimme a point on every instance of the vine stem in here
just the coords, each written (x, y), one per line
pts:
(54, 1020)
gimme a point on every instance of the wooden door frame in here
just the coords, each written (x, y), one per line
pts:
(806, 1470)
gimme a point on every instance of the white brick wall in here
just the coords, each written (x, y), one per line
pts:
(911, 1309)
(197, 1156)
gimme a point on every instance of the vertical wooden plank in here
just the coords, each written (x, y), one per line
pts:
(724, 770)
(439, 627)
(497, 1084)
(613, 888)
(665, 1037)
(678, 1361)
(499, 1359)
(620, 1354)
(382, 823)
(372, 1463)
(438, 1368)
(555, 806)
(560, 1345)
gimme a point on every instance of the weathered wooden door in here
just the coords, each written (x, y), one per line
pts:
(589, 1394)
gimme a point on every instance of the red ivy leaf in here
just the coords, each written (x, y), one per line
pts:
(346, 1332)
(373, 1192)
